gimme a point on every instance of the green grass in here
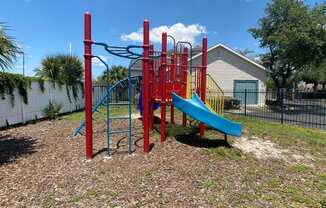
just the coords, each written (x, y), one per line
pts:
(90, 193)
(209, 184)
(114, 194)
(148, 174)
(277, 184)
(225, 153)
(48, 202)
(301, 168)
(115, 110)
(139, 204)
(75, 199)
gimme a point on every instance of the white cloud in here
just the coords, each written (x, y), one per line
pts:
(97, 62)
(179, 31)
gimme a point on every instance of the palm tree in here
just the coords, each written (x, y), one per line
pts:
(72, 69)
(50, 69)
(8, 48)
(116, 73)
(62, 69)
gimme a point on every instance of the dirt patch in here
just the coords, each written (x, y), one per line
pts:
(266, 149)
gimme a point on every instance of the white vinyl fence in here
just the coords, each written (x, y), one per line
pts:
(18, 112)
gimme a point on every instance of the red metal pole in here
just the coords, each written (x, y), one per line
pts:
(163, 86)
(184, 80)
(173, 86)
(203, 81)
(88, 85)
(151, 88)
(145, 90)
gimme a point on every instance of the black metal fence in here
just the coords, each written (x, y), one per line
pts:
(306, 109)
(117, 95)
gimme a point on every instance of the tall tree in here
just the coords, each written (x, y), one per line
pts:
(8, 48)
(288, 33)
(313, 74)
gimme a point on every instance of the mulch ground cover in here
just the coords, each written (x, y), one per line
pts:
(40, 166)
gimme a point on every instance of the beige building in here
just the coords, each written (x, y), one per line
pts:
(234, 72)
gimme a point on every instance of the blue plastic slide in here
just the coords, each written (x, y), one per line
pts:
(197, 110)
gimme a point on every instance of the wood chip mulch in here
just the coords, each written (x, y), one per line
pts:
(40, 166)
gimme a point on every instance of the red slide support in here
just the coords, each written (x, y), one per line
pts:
(145, 89)
(88, 85)
(184, 80)
(151, 89)
(173, 68)
(203, 81)
(163, 86)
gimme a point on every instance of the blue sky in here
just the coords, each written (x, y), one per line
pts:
(44, 27)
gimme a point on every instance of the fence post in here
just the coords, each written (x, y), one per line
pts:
(282, 106)
(245, 103)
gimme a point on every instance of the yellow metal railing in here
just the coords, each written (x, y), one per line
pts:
(189, 90)
(214, 95)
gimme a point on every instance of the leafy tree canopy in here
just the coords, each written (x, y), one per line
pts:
(294, 36)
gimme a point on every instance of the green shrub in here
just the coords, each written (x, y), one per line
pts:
(271, 102)
(231, 103)
(52, 110)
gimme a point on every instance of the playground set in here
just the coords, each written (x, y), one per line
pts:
(168, 79)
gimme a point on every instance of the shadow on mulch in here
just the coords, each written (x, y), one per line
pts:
(156, 120)
(120, 146)
(194, 140)
(12, 148)
(189, 135)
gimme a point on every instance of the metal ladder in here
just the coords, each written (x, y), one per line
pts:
(105, 101)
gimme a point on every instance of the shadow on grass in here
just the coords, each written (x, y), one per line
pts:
(12, 148)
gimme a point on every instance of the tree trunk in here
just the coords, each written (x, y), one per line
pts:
(315, 86)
